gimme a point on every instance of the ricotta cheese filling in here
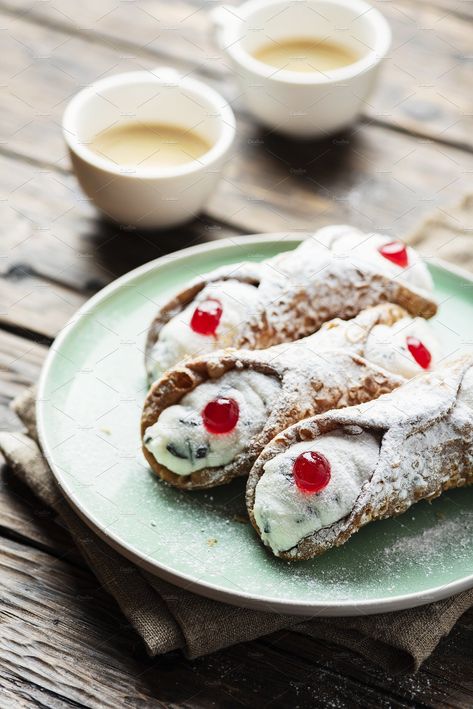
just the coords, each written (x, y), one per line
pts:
(347, 242)
(179, 439)
(285, 514)
(387, 346)
(177, 340)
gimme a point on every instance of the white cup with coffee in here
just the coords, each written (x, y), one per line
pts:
(305, 68)
(148, 147)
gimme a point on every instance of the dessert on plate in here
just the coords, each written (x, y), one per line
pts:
(336, 272)
(318, 482)
(206, 421)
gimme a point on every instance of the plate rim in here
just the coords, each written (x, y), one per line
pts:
(337, 608)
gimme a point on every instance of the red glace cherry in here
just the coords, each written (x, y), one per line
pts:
(206, 317)
(311, 471)
(221, 415)
(419, 351)
(396, 252)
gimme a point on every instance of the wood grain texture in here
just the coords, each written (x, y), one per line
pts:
(52, 232)
(63, 641)
(56, 250)
(374, 179)
(21, 516)
(55, 244)
(20, 364)
(425, 84)
(377, 178)
(37, 305)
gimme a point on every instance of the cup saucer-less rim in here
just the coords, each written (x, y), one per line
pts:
(160, 76)
(230, 41)
(214, 591)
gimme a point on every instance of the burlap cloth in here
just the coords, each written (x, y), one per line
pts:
(168, 618)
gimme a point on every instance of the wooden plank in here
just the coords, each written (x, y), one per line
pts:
(55, 251)
(426, 83)
(41, 69)
(25, 519)
(370, 176)
(20, 364)
(460, 8)
(61, 636)
(37, 305)
(61, 647)
(375, 178)
(424, 87)
(21, 515)
(51, 231)
(52, 616)
(443, 680)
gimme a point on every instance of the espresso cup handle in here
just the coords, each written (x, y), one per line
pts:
(219, 18)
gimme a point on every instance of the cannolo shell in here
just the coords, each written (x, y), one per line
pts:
(309, 384)
(290, 306)
(426, 448)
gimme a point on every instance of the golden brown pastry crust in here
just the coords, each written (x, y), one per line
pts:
(291, 303)
(311, 382)
(426, 448)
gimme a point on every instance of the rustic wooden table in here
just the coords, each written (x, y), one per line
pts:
(63, 641)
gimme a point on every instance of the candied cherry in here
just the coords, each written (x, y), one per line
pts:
(419, 351)
(311, 471)
(206, 316)
(221, 415)
(395, 252)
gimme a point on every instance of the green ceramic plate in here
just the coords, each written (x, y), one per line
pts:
(91, 392)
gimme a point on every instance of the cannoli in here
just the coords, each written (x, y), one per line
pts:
(337, 272)
(321, 480)
(205, 422)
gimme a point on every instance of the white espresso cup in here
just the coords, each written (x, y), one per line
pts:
(148, 197)
(300, 104)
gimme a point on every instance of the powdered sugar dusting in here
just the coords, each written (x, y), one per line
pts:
(454, 535)
(427, 447)
(337, 272)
